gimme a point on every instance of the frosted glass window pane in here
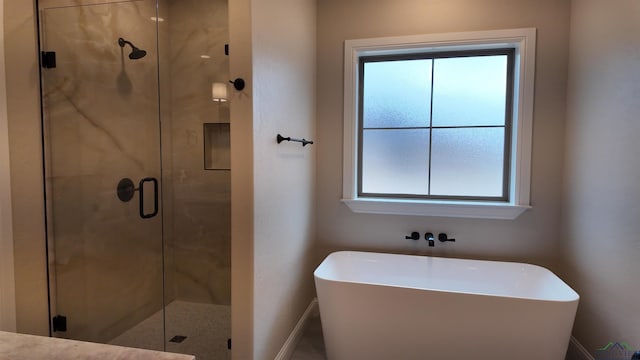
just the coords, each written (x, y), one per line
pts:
(397, 94)
(467, 162)
(469, 91)
(395, 161)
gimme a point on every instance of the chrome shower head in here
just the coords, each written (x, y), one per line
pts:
(135, 52)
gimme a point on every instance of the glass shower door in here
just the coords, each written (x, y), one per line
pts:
(103, 171)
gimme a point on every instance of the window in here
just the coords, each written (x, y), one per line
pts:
(435, 125)
(439, 125)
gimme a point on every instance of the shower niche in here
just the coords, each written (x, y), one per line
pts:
(127, 98)
(217, 150)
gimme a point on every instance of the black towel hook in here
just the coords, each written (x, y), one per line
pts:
(304, 142)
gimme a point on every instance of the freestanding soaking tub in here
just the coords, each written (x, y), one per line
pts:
(402, 307)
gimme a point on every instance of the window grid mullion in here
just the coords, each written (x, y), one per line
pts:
(434, 127)
(430, 129)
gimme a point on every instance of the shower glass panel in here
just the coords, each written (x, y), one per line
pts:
(198, 250)
(138, 229)
(101, 125)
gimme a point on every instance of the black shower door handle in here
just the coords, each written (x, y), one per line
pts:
(155, 197)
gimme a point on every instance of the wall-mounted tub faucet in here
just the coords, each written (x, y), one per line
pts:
(414, 236)
(429, 238)
(443, 237)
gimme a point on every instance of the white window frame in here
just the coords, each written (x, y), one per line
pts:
(524, 42)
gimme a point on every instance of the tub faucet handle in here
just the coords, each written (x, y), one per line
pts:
(429, 237)
(443, 237)
(414, 236)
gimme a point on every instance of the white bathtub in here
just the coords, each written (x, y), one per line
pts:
(402, 307)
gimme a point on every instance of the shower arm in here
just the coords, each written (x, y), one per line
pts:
(122, 43)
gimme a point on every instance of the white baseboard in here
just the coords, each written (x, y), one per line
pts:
(577, 351)
(296, 334)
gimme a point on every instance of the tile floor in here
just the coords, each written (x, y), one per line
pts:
(193, 320)
(311, 346)
(206, 328)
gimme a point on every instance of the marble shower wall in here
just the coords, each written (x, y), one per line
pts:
(101, 125)
(201, 242)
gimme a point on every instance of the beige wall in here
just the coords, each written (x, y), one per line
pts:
(23, 111)
(533, 237)
(7, 281)
(602, 186)
(273, 185)
(284, 33)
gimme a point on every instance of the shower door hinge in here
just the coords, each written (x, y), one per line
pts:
(49, 59)
(59, 323)
(229, 344)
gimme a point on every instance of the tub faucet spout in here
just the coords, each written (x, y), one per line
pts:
(429, 238)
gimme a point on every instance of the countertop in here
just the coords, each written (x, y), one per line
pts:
(22, 347)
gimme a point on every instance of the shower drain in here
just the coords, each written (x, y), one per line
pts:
(177, 339)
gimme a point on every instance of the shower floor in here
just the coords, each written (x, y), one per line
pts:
(206, 328)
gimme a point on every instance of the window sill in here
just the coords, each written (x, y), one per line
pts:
(441, 208)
